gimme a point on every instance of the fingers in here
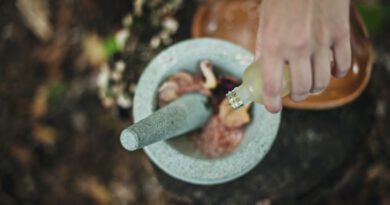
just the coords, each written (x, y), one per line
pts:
(301, 78)
(321, 70)
(258, 46)
(342, 56)
(272, 73)
(259, 40)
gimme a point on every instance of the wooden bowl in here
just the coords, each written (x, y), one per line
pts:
(237, 21)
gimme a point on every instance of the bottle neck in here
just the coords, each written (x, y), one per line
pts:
(239, 97)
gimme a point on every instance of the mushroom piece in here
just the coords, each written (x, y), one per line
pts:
(189, 83)
(206, 67)
(167, 92)
(182, 79)
(233, 118)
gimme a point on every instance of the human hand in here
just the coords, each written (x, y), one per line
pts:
(306, 34)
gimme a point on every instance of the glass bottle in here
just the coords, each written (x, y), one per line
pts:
(251, 88)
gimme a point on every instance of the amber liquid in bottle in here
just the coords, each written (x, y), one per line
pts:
(251, 88)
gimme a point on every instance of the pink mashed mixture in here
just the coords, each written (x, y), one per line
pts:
(225, 129)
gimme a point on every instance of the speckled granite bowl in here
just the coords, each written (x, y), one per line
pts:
(177, 156)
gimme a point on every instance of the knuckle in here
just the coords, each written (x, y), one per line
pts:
(301, 46)
(272, 45)
(272, 89)
(322, 41)
(343, 33)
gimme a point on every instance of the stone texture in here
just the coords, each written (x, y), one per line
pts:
(183, 115)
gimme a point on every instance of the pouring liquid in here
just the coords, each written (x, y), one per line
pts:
(251, 88)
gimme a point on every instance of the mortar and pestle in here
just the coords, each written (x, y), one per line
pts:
(161, 133)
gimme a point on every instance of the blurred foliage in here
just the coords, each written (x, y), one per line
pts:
(147, 28)
(110, 46)
(374, 15)
(56, 91)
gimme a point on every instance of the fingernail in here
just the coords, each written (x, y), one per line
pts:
(298, 98)
(341, 74)
(274, 104)
(317, 91)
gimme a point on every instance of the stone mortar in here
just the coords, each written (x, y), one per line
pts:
(177, 156)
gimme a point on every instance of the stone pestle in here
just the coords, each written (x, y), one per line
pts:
(187, 113)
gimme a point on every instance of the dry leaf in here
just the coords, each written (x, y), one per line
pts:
(21, 153)
(44, 134)
(375, 171)
(94, 189)
(36, 15)
(122, 192)
(93, 50)
(264, 202)
(39, 104)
